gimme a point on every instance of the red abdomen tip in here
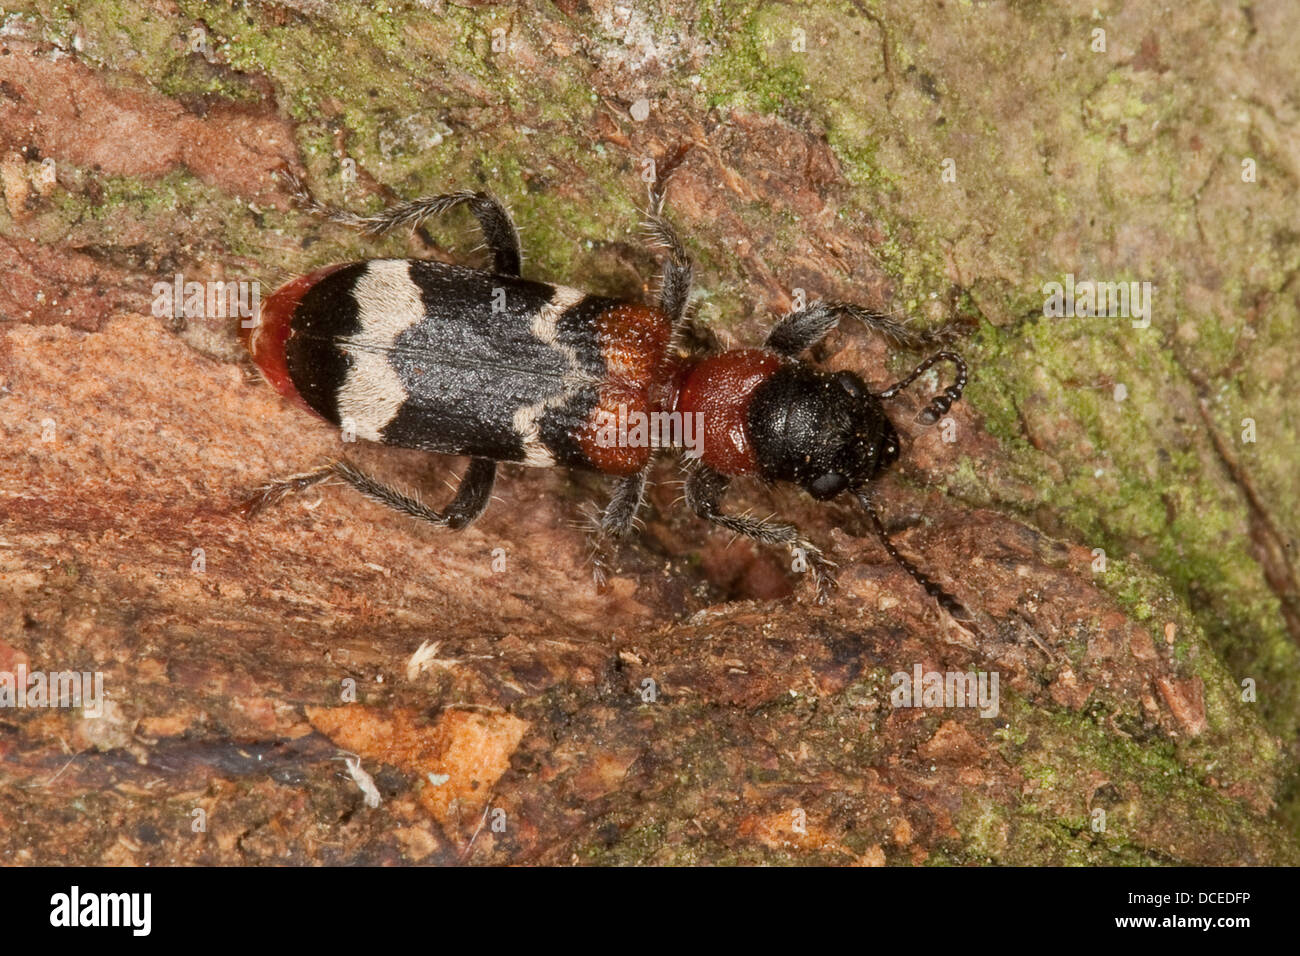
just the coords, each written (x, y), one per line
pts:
(266, 340)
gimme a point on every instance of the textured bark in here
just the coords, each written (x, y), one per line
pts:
(702, 709)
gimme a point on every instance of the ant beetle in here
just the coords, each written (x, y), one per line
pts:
(501, 369)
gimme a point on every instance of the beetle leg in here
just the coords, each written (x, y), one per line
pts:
(944, 400)
(675, 286)
(801, 330)
(704, 490)
(471, 497)
(618, 518)
(498, 228)
(620, 513)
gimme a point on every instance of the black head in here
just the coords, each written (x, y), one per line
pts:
(824, 431)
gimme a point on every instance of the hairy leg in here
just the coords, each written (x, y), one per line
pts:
(799, 331)
(471, 497)
(704, 490)
(498, 228)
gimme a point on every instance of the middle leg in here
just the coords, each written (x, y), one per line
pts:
(619, 515)
(617, 520)
(678, 270)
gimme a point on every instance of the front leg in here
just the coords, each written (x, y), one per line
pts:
(799, 331)
(704, 490)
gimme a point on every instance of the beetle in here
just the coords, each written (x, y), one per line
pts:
(501, 369)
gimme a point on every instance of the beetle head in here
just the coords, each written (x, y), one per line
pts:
(823, 431)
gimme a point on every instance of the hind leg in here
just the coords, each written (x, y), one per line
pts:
(498, 228)
(471, 499)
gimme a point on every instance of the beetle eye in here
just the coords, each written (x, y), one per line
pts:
(828, 486)
(849, 382)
